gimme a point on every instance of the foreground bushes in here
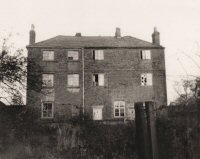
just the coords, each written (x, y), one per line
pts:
(177, 139)
(22, 137)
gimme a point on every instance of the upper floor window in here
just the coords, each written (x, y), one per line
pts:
(145, 54)
(98, 79)
(72, 55)
(48, 55)
(73, 80)
(98, 54)
(119, 109)
(47, 80)
(146, 79)
(47, 110)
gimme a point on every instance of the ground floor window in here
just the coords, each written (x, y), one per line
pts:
(131, 113)
(119, 109)
(47, 110)
(97, 112)
(75, 110)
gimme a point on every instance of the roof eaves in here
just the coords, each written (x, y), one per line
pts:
(102, 47)
(159, 46)
(52, 47)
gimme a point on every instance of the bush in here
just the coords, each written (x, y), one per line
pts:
(176, 139)
(76, 138)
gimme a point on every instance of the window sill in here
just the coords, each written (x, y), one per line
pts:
(97, 120)
(47, 118)
(146, 85)
(73, 60)
(49, 60)
(73, 89)
(119, 117)
(98, 86)
(97, 60)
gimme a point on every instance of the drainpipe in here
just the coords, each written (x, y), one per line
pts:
(83, 77)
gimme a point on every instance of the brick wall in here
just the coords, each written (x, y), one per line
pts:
(122, 69)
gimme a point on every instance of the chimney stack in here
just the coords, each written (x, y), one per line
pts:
(32, 35)
(156, 37)
(118, 33)
(78, 35)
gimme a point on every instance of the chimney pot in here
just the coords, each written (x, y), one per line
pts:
(118, 33)
(32, 35)
(156, 37)
(78, 35)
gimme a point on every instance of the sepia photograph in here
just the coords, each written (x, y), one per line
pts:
(99, 79)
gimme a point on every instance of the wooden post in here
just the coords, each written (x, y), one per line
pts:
(142, 136)
(151, 126)
(198, 116)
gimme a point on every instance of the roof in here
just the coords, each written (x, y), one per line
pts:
(94, 42)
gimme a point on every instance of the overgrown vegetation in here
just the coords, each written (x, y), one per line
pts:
(178, 135)
(22, 136)
(13, 73)
(187, 91)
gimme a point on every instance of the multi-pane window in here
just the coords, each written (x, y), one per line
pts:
(73, 80)
(47, 80)
(47, 110)
(146, 79)
(98, 79)
(48, 55)
(119, 109)
(98, 54)
(72, 55)
(145, 54)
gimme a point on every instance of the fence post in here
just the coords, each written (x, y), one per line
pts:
(198, 116)
(151, 126)
(142, 137)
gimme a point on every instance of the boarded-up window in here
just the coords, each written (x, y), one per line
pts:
(146, 79)
(119, 109)
(131, 113)
(47, 80)
(47, 110)
(145, 54)
(72, 55)
(97, 112)
(98, 79)
(98, 54)
(75, 110)
(73, 80)
(48, 55)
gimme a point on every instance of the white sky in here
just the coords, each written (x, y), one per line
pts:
(177, 21)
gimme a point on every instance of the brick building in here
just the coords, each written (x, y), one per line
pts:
(100, 75)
